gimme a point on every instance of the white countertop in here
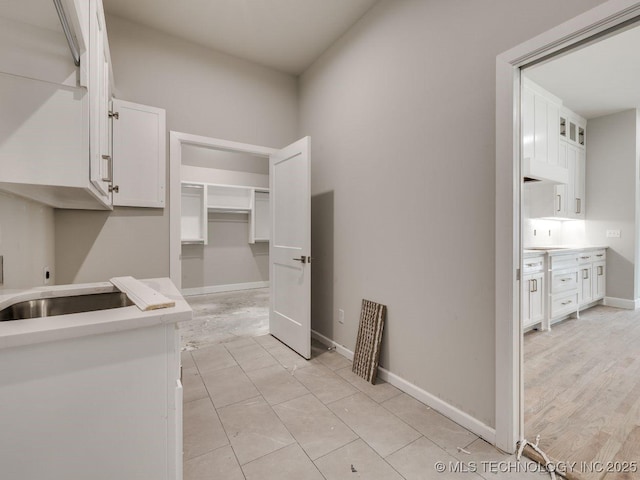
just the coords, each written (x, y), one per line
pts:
(561, 249)
(16, 333)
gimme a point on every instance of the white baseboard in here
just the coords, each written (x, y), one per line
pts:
(461, 418)
(188, 292)
(622, 303)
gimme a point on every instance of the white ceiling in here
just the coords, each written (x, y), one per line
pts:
(599, 79)
(287, 35)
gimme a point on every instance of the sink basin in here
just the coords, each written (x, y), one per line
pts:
(48, 307)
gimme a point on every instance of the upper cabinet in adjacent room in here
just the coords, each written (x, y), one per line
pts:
(56, 86)
(554, 155)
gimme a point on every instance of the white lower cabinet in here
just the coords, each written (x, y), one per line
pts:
(599, 275)
(533, 299)
(533, 291)
(556, 284)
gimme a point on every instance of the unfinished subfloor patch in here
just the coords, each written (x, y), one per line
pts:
(222, 317)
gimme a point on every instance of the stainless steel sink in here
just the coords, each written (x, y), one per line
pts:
(48, 307)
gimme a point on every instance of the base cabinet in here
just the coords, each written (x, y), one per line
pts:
(556, 285)
(103, 407)
(533, 299)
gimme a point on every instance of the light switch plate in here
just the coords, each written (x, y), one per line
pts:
(613, 233)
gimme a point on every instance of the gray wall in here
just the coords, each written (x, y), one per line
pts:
(204, 93)
(401, 111)
(26, 241)
(612, 184)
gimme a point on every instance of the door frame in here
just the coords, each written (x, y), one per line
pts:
(176, 141)
(582, 29)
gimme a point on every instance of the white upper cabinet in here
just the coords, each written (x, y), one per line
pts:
(562, 146)
(50, 104)
(541, 134)
(139, 155)
(56, 146)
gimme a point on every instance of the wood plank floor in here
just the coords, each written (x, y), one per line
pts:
(582, 391)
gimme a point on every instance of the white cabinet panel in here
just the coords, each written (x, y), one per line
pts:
(599, 274)
(194, 214)
(260, 224)
(50, 150)
(533, 299)
(139, 155)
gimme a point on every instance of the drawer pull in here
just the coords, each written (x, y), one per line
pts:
(566, 279)
(585, 258)
(531, 264)
(567, 302)
(600, 255)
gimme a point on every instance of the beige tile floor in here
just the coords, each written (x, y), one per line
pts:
(253, 409)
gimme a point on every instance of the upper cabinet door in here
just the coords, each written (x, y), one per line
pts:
(139, 155)
(100, 166)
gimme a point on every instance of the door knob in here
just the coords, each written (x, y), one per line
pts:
(302, 259)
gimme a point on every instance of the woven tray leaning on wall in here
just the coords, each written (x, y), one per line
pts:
(367, 353)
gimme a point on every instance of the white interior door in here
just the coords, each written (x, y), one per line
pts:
(290, 246)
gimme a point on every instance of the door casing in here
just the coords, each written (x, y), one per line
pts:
(585, 28)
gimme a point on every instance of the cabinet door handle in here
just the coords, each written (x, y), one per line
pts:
(600, 270)
(578, 205)
(559, 202)
(585, 274)
(531, 290)
(535, 283)
(109, 177)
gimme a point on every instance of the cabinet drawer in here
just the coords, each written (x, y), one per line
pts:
(563, 261)
(585, 257)
(564, 304)
(533, 264)
(564, 281)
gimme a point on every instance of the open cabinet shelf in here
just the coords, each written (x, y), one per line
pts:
(193, 218)
(200, 198)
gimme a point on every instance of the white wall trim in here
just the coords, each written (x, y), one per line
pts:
(176, 140)
(231, 287)
(622, 303)
(461, 418)
(509, 386)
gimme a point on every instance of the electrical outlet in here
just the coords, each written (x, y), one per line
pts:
(47, 275)
(340, 315)
(613, 233)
